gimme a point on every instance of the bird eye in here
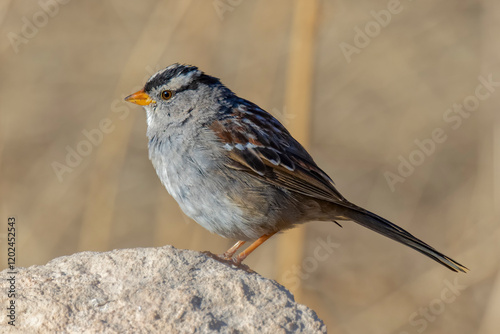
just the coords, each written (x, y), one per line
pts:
(166, 94)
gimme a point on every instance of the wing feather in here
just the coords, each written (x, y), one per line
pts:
(259, 144)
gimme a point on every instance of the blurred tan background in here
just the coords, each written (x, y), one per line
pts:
(359, 82)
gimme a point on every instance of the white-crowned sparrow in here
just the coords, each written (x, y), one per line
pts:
(237, 171)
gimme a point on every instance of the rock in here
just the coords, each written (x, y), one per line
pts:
(149, 290)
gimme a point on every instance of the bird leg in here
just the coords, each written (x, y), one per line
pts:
(251, 248)
(230, 252)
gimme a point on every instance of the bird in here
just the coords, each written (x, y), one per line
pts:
(237, 171)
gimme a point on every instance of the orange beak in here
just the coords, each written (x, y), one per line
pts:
(141, 98)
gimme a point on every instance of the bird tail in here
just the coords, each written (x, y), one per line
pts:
(383, 226)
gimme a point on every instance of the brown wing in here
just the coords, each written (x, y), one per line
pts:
(259, 144)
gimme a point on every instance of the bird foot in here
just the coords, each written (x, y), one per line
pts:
(231, 261)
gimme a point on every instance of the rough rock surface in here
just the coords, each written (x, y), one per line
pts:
(150, 290)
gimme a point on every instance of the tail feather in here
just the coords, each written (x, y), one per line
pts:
(383, 226)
